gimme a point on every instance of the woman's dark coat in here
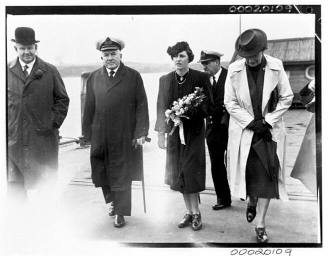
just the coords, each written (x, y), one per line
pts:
(115, 113)
(37, 106)
(185, 164)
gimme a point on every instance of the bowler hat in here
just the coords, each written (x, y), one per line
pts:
(24, 36)
(251, 42)
(110, 43)
(209, 56)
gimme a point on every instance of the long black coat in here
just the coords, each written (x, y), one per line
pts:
(37, 106)
(185, 164)
(115, 113)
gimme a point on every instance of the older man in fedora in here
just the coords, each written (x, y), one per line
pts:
(37, 106)
(217, 127)
(116, 123)
(257, 94)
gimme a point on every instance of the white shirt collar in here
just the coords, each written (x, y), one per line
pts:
(217, 75)
(29, 65)
(115, 70)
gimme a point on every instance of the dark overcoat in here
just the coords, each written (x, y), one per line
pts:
(115, 113)
(37, 106)
(185, 164)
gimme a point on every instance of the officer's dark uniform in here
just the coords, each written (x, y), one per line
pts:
(217, 136)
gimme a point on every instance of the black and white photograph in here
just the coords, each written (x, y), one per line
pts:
(162, 128)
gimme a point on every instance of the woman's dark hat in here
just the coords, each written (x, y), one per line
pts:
(251, 42)
(24, 36)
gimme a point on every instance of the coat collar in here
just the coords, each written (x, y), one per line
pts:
(238, 73)
(15, 67)
(272, 63)
(118, 76)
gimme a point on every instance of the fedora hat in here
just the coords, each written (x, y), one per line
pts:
(24, 36)
(209, 56)
(251, 42)
(109, 43)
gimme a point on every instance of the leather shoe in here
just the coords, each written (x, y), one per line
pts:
(220, 206)
(196, 222)
(119, 221)
(261, 235)
(185, 221)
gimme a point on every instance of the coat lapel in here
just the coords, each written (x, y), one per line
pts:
(38, 65)
(241, 84)
(117, 78)
(16, 68)
(270, 82)
(170, 90)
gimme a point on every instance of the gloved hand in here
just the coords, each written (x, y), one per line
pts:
(259, 126)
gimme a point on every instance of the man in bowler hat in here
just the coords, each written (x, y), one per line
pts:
(116, 123)
(37, 106)
(217, 127)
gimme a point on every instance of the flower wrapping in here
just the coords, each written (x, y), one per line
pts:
(182, 109)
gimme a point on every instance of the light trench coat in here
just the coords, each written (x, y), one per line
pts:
(239, 105)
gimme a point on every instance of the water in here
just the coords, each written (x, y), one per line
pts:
(71, 127)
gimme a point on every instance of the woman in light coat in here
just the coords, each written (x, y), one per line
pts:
(257, 94)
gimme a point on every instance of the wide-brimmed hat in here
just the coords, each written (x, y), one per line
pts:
(206, 56)
(109, 43)
(25, 36)
(251, 42)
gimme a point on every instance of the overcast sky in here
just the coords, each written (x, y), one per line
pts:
(67, 39)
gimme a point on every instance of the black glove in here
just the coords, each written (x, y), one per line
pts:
(262, 128)
(258, 126)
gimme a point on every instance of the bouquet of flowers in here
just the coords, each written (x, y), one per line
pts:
(182, 108)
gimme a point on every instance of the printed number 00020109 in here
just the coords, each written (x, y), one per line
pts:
(260, 8)
(261, 251)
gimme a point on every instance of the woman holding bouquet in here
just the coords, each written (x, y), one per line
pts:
(185, 149)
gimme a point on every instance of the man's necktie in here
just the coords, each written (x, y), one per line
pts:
(25, 71)
(214, 82)
(111, 74)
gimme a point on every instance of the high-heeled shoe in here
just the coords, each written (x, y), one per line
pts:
(261, 235)
(187, 218)
(196, 222)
